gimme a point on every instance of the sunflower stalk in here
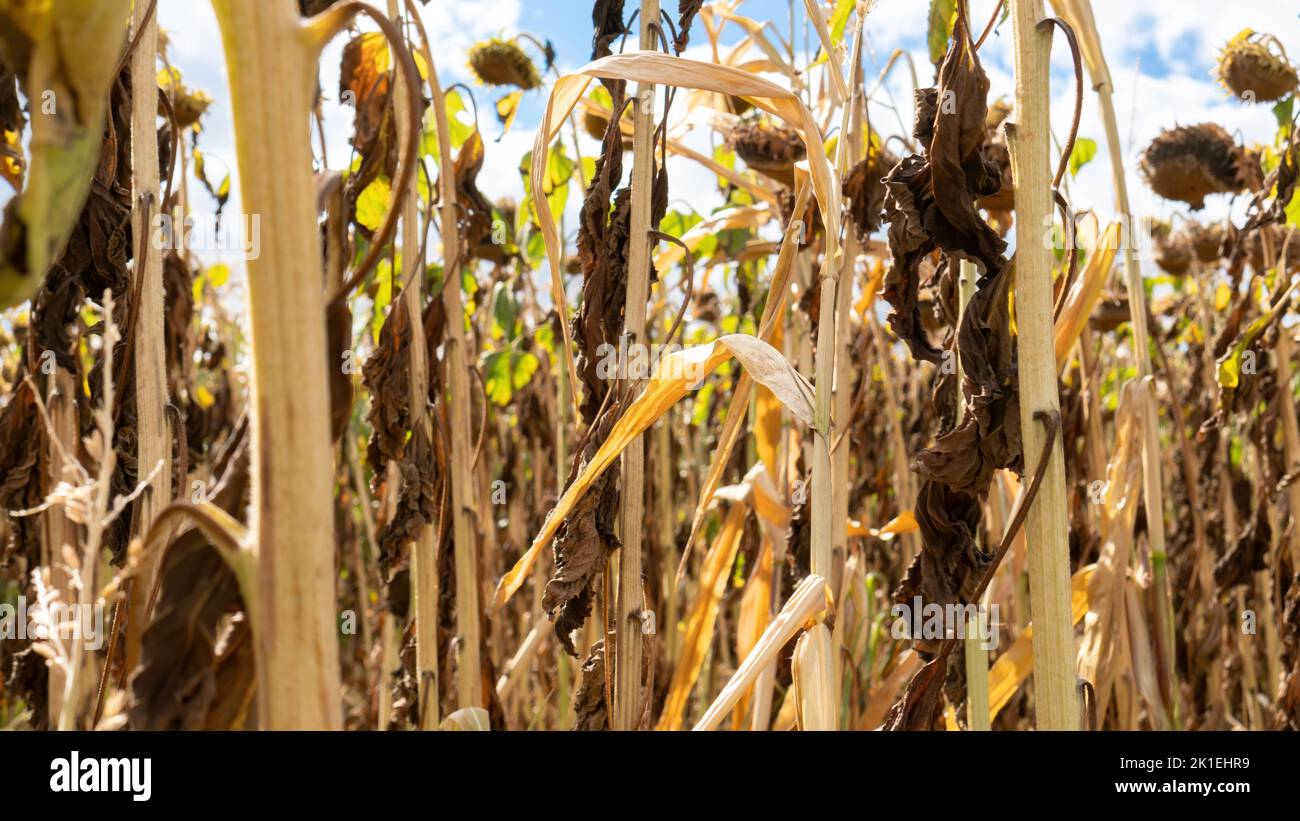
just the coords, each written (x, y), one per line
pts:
(150, 366)
(469, 633)
(424, 551)
(628, 629)
(1047, 525)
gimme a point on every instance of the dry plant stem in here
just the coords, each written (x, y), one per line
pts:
(292, 497)
(468, 685)
(848, 154)
(627, 669)
(665, 519)
(1079, 14)
(842, 398)
(153, 435)
(58, 529)
(1046, 528)
(822, 559)
(424, 551)
(97, 521)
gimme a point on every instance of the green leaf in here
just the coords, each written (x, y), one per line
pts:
(67, 57)
(1084, 150)
(507, 372)
(545, 338)
(1228, 372)
(560, 169)
(458, 130)
(1284, 111)
(943, 16)
(383, 296)
(676, 224)
(536, 247)
(505, 311)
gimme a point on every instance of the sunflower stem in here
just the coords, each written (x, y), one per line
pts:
(1047, 526)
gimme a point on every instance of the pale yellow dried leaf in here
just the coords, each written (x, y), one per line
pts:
(675, 375)
(1083, 295)
(702, 617)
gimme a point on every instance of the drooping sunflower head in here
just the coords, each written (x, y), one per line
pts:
(1173, 249)
(1188, 163)
(1254, 67)
(766, 146)
(1207, 241)
(498, 62)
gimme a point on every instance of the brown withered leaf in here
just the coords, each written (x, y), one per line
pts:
(583, 545)
(22, 444)
(1249, 552)
(686, 11)
(589, 708)
(865, 190)
(607, 20)
(11, 112)
(922, 704)
(474, 211)
(178, 682)
(311, 8)
(603, 234)
(387, 375)
(930, 197)
(930, 204)
(236, 677)
(365, 81)
(12, 161)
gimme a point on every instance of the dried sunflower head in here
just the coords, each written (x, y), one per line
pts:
(498, 62)
(1173, 249)
(1207, 241)
(865, 189)
(1188, 163)
(1253, 71)
(768, 148)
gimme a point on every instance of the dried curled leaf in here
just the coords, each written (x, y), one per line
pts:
(930, 205)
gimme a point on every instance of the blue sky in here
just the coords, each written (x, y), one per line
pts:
(1160, 53)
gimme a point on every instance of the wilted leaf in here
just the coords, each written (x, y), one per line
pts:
(676, 374)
